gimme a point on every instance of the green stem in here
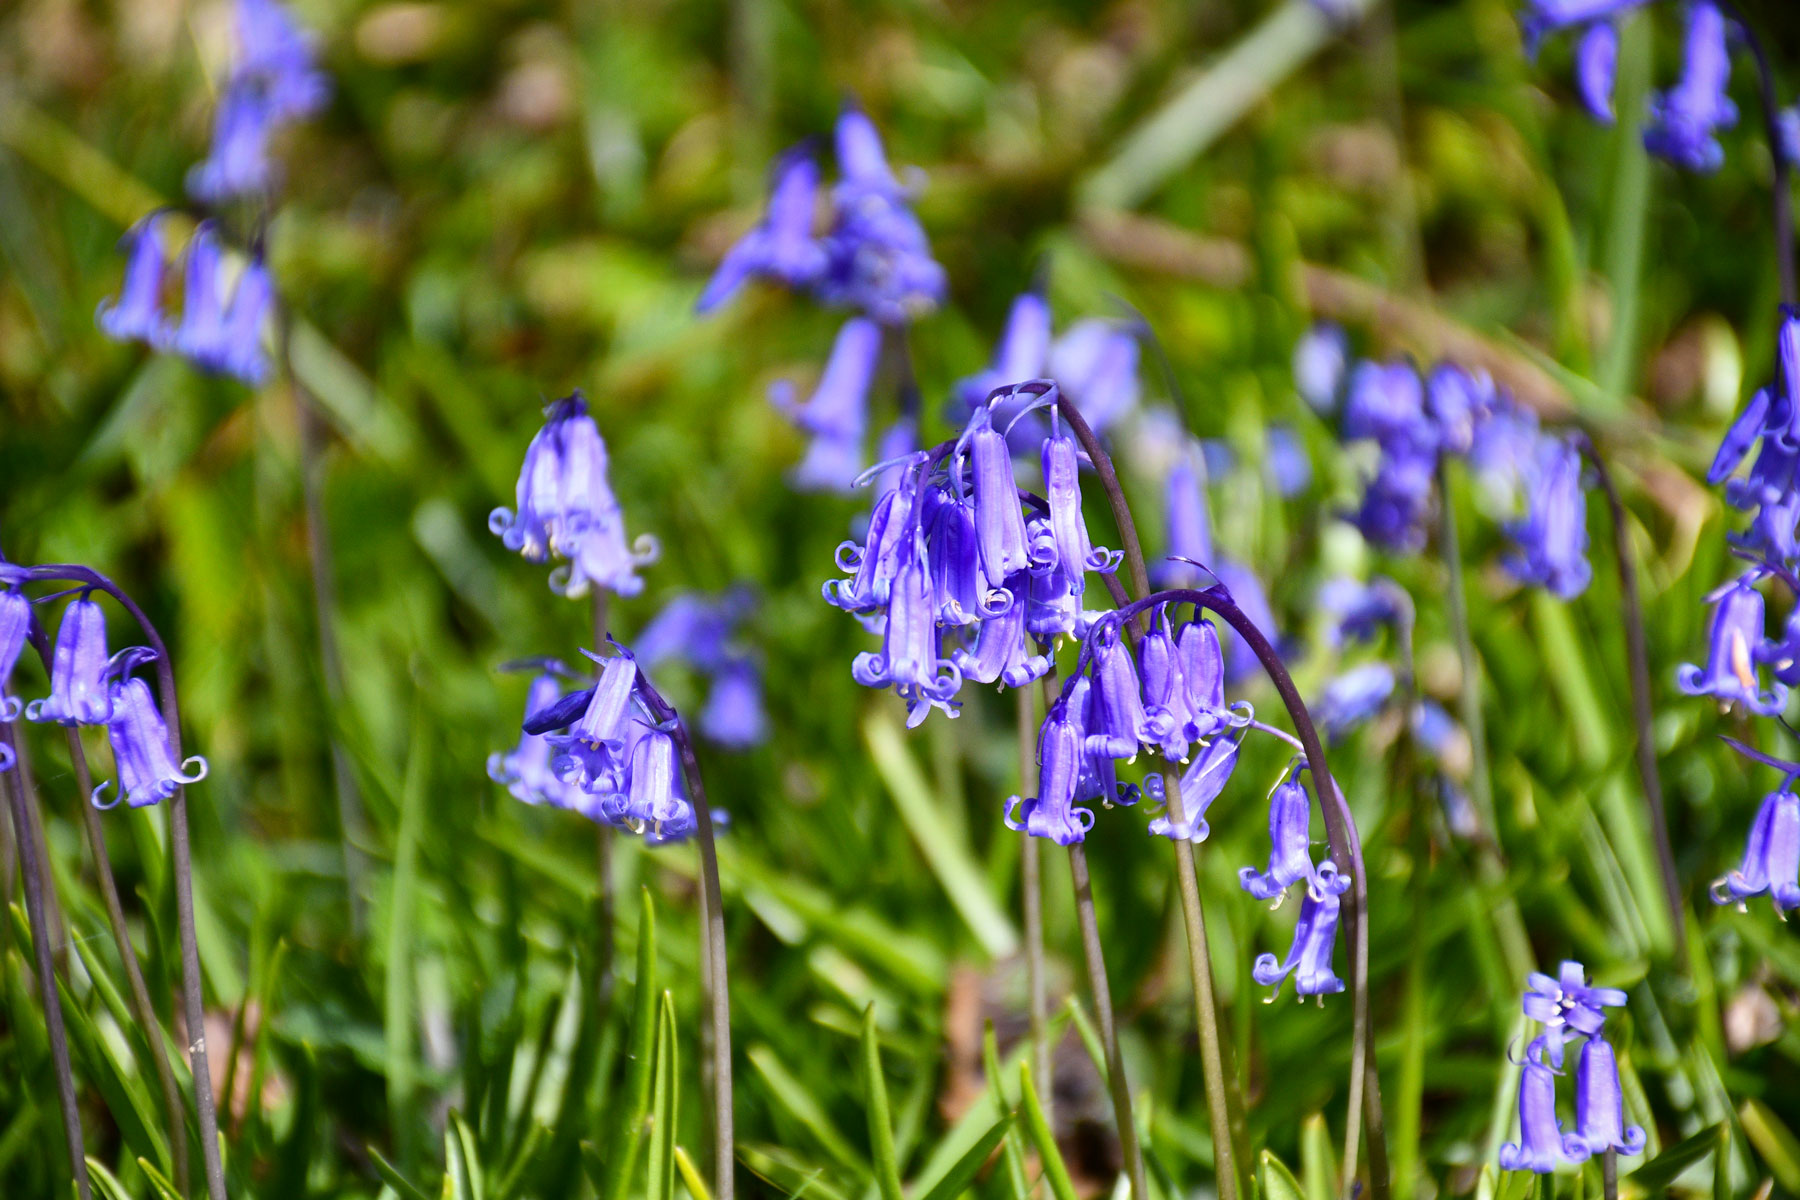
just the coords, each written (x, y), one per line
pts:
(1031, 901)
(1103, 1013)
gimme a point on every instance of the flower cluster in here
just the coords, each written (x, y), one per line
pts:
(699, 631)
(1416, 421)
(1568, 1007)
(1094, 363)
(1685, 119)
(1290, 862)
(607, 751)
(219, 335)
(953, 545)
(90, 687)
(273, 82)
(566, 507)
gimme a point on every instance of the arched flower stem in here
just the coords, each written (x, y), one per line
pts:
(1643, 716)
(194, 1005)
(31, 867)
(141, 1008)
(712, 933)
(1219, 1089)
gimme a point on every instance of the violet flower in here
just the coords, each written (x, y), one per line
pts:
(1600, 1102)
(78, 687)
(593, 751)
(15, 624)
(1685, 120)
(1062, 490)
(1552, 539)
(782, 246)
(909, 660)
(1052, 813)
(525, 771)
(1321, 362)
(1290, 837)
(1205, 777)
(733, 715)
(141, 752)
(1542, 1143)
(1118, 713)
(1771, 856)
(1002, 652)
(137, 314)
(999, 523)
(837, 415)
(1737, 632)
(1315, 937)
(1354, 697)
(1020, 355)
(1597, 69)
(878, 258)
(1095, 363)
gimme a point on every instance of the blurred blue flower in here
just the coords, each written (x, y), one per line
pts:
(837, 416)
(733, 715)
(1095, 363)
(1289, 467)
(1685, 120)
(237, 163)
(878, 258)
(1597, 69)
(1354, 697)
(1543, 17)
(1020, 355)
(78, 668)
(273, 82)
(1737, 633)
(1321, 360)
(782, 246)
(141, 752)
(1188, 526)
(137, 315)
(1358, 610)
(525, 770)
(1771, 856)
(1552, 539)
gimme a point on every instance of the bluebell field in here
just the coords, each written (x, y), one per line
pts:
(865, 600)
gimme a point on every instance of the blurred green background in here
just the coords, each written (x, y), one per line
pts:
(507, 200)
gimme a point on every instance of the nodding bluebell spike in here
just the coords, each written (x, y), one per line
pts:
(1552, 539)
(837, 415)
(1354, 697)
(1600, 1102)
(1321, 362)
(1736, 634)
(1542, 1143)
(1686, 119)
(137, 315)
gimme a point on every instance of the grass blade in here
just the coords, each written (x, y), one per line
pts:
(643, 1041)
(690, 1176)
(1657, 1174)
(1278, 1183)
(875, 1102)
(963, 1173)
(399, 1011)
(665, 1101)
(390, 1175)
(1061, 1186)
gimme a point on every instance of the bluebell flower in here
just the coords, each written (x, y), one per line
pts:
(140, 746)
(651, 796)
(1354, 697)
(1002, 652)
(1386, 402)
(1315, 937)
(999, 522)
(137, 315)
(1357, 610)
(1737, 633)
(203, 335)
(1542, 1143)
(1543, 17)
(1052, 609)
(1201, 784)
(1168, 714)
(594, 752)
(878, 258)
(733, 716)
(15, 624)
(1504, 453)
(1597, 69)
(1052, 813)
(1567, 1005)
(910, 660)
(1742, 434)
(1787, 126)
(1289, 467)
(525, 771)
(1095, 363)
(252, 300)
(237, 163)
(1321, 361)
(782, 246)
(1600, 1102)
(1396, 505)
(1771, 856)
(274, 50)
(1552, 539)
(874, 561)
(1772, 530)
(694, 629)
(1021, 354)
(1685, 120)
(1433, 729)
(78, 685)
(1203, 674)
(837, 415)
(1458, 401)
(1062, 491)
(1187, 524)
(963, 594)
(1290, 838)
(1117, 710)
(1099, 778)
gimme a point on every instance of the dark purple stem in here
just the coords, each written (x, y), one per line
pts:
(31, 867)
(1771, 114)
(194, 1006)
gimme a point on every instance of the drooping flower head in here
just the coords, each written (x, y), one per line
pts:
(1315, 937)
(1731, 671)
(137, 314)
(1771, 856)
(1552, 539)
(1205, 777)
(1600, 1102)
(878, 259)
(837, 415)
(1685, 120)
(140, 745)
(1052, 813)
(526, 770)
(273, 82)
(79, 694)
(1542, 1143)
(15, 624)
(1290, 837)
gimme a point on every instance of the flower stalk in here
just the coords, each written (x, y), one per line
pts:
(1031, 905)
(32, 868)
(193, 1002)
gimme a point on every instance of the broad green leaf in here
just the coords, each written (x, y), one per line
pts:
(875, 1104)
(1318, 1161)
(1278, 1183)
(643, 1041)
